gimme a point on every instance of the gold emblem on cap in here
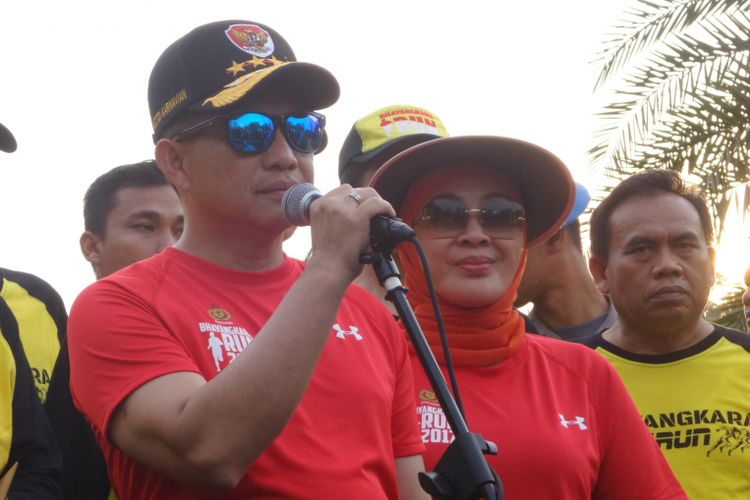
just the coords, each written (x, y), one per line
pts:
(236, 89)
(237, 68)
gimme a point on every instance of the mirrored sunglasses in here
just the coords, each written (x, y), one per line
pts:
(253, 132)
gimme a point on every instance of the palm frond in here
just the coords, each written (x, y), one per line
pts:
(652, 21)
(729, 312)
(682, 69)
(681, 101)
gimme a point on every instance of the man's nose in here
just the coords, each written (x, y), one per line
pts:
(279, 154)
(667, 263)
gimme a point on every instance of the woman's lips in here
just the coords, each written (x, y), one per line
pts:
(475, 264)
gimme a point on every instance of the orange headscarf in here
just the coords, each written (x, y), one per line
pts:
(479, 336)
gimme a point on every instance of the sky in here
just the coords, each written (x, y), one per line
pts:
(75, 73)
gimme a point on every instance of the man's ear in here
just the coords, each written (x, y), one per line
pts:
(554, 244)
(170, 157)
(598, 269)
(91, 249)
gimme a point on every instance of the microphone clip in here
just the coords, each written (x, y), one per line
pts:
(387, 232)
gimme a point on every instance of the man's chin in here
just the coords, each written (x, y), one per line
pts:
(672, 315)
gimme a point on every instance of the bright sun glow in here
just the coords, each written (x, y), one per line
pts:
(732, 254)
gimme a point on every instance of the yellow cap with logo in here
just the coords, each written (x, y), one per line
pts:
(393, 128)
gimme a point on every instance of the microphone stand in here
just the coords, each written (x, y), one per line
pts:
(462, 472)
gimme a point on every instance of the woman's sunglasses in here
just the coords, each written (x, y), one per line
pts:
(448, 217)
(251, 132)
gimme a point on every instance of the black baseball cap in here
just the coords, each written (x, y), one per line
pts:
(7, 141)
(217, 64)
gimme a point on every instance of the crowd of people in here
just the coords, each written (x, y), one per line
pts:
(205, 363)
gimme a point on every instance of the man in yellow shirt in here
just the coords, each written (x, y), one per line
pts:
(651, 253)
(26, 438)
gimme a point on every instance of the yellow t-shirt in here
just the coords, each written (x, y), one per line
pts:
(7, 386)
(696, 402)
(41, 319)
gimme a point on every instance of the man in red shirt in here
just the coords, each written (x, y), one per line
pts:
(221, 363)
(130, 213)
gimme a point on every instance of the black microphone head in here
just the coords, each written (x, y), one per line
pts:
(296, 203)
(387, 232)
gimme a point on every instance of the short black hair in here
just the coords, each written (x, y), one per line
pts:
(99, 199)
(648, 183)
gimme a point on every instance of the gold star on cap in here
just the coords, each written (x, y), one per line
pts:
(236, 68)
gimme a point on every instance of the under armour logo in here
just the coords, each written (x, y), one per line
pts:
(341, 333)
(579, 421)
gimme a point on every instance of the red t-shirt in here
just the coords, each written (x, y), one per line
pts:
(565, 426)
(175, 312)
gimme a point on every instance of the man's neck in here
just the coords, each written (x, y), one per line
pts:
(640, 339)
(571, 303)
(243, 250)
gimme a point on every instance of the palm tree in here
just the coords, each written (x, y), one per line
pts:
(678, 73)
(729, 312)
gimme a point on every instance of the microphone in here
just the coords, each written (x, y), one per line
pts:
(296, 203)
(384, 230)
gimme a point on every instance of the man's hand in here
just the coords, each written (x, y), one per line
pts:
(340, 228)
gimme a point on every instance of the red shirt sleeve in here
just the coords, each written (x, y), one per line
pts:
(117, 343)
(406, 434)
(633, 466)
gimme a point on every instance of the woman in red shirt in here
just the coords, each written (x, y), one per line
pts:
(564, 424)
